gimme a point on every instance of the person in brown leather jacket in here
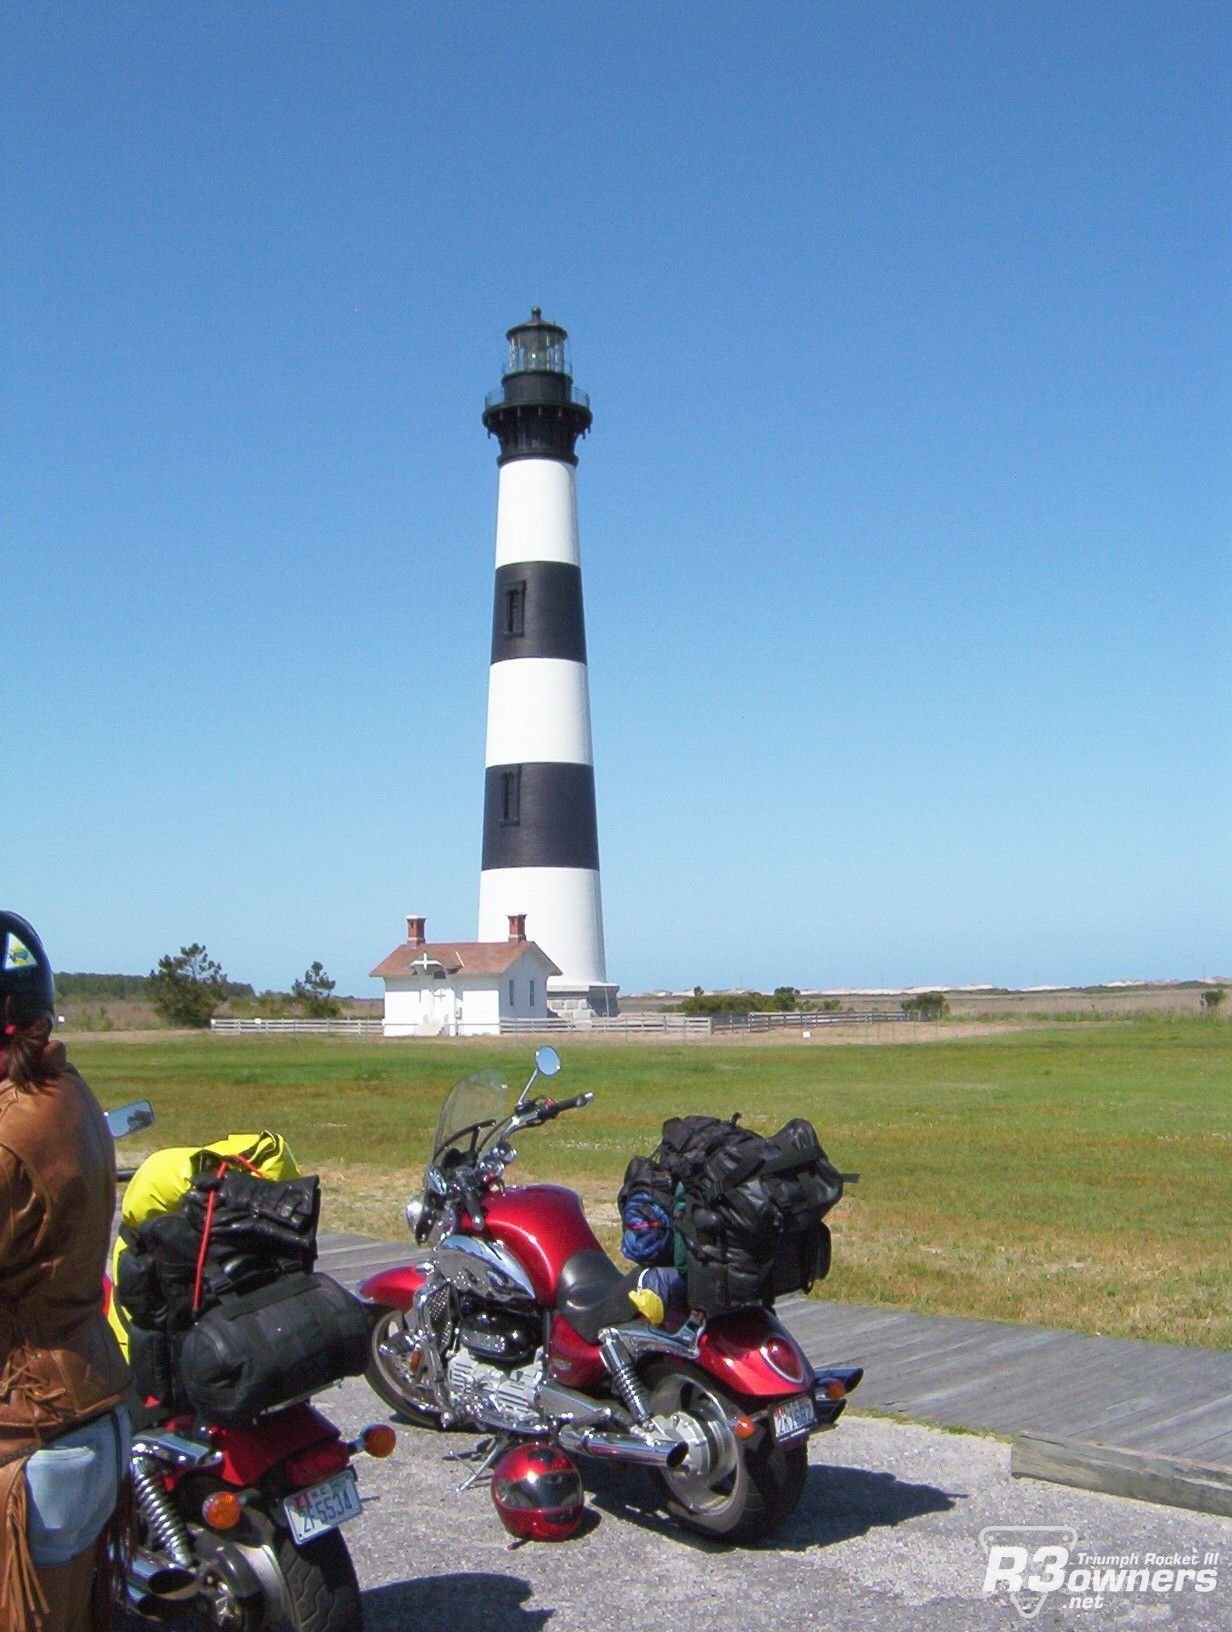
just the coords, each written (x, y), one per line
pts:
(63, 1444)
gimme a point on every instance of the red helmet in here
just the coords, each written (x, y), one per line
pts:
(538, 1493)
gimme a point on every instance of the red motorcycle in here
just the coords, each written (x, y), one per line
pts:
(242, 1522)
(515, 1321)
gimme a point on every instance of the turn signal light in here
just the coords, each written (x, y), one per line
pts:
(834, 1390)
(744, 1427)
(378, 1440)
(222, 1510)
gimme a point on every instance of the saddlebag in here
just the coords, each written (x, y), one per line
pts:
(258, 1350)
(229, 1235)
(751, 1218)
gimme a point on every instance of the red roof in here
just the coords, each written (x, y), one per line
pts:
(460, 957)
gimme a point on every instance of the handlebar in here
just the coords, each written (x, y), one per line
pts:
(553, 1107)
(472, 1198)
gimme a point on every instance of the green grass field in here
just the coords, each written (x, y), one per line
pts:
(1077, 1176)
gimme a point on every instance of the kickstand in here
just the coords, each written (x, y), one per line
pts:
(491, 1450)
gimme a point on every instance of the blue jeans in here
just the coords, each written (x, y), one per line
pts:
(72, 1486)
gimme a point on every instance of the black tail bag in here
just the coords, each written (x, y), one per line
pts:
(261, 1241)
(752, 1217)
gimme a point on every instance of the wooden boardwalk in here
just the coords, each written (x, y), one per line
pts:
(1008, 1379)
(988, 1376)
(1066, 1399)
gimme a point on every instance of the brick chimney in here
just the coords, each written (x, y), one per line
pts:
(415, 931)
(517, 926)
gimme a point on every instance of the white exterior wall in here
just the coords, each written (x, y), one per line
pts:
(481, 1007)
(536, 512)
(538, 710)
(563, 910)
(416, 1005)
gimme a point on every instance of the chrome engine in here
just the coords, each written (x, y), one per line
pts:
(496, 1396)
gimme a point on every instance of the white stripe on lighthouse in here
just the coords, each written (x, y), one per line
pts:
(538, 709)
(536, 512)
(564, 915)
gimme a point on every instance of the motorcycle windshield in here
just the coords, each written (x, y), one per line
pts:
(471, 1109)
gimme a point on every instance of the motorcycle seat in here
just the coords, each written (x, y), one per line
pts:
(593, 1293)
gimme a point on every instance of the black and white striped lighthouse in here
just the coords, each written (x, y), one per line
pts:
(540, 836)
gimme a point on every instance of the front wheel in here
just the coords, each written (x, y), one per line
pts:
(390, 1376)
(723, 1489)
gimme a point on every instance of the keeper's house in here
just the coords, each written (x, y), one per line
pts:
(463, 988)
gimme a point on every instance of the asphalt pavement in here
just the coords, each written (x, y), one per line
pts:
(892, 1535)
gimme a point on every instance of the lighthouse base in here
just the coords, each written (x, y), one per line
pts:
(579, 1005)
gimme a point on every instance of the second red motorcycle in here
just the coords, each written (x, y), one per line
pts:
(515, 1321)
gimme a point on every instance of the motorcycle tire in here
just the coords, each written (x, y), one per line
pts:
(747, 1493)
(319, 1578)
(387, 1379)
(316, 1583)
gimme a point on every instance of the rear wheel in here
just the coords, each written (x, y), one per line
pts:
(391, 1376)
(321, 1589)
(724, 1488)
(301, 1589)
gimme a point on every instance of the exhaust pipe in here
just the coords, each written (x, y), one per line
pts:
(140, 1601)
(609, 1447)
(156, 1578)
(568, 1406)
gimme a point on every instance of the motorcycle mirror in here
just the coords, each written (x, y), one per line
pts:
(130, 1118)
(547, 1064)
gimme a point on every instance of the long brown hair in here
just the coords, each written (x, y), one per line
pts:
(23, 1050)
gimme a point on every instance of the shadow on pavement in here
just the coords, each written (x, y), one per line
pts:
(462, 1602)
(837, 1504)
(453, 1603)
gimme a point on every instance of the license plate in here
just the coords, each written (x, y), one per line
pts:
(794, 1417)
(323, 1507)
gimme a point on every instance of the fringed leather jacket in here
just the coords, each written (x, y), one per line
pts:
(60, 1364)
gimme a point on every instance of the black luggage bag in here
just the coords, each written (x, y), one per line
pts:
(752, 1219)
(259, 1350)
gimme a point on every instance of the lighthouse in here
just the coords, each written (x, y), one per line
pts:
(540, 835)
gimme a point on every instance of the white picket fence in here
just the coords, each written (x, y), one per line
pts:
(345, 1027)
(634, 1025)
(686, 1027)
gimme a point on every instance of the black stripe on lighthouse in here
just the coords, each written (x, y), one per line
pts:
(540, 815)
(537, 611)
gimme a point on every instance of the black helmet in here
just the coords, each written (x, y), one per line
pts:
(27, 988)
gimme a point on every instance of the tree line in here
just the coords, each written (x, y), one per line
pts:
(188, 987)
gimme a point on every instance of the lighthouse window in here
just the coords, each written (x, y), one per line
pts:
(515, 608)
(511, 798)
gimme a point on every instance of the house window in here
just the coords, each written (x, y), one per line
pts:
(515, 609)
(532, 993)
(510, 994)
(511, 797)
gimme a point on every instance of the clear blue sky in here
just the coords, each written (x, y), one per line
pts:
(905, 515)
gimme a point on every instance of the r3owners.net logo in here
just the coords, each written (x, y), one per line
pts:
(1029, 1563)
